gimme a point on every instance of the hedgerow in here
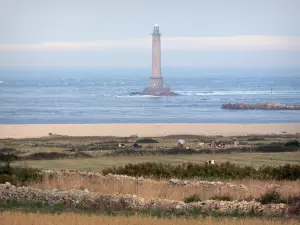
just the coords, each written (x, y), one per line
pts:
(218, 171)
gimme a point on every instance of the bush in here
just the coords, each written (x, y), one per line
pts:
(221, 198)
(293, 143)
(7, 158)
(147, 140)
(8, 150)
(193, 198)
(294, 209)
(19, 176)
(47, 155)
(217, 171)
(276, 147)
(271, 197)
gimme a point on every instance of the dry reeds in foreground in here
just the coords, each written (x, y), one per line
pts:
(20, 218)
(161, 189)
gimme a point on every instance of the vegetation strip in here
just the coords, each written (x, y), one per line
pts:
(219, 171)
(19, 218)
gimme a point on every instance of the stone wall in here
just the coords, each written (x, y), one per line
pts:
(100, 202)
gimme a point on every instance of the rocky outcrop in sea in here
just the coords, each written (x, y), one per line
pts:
(261, 106)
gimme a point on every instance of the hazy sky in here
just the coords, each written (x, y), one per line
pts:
(98, 33)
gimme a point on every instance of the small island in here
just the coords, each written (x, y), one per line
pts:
(261, 106)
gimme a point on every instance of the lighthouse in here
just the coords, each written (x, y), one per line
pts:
(156, 80)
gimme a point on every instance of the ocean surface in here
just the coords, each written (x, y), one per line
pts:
(67, 96)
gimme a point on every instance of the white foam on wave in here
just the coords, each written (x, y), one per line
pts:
(137, 96)
(200, 93)
(1, 81)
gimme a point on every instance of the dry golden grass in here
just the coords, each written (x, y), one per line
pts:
(152, 189)
(98, 163)
(19, 218)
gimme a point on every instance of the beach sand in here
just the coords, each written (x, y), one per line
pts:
(144, 130)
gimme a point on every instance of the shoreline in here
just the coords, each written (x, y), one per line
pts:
(146, 130)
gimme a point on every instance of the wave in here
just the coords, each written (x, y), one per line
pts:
(1, 81)
(137, 96)
(267, 92)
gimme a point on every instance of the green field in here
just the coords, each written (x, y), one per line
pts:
(98, 163)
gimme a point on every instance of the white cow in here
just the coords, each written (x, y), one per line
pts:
(201, 144)
(212, 162)
(236, 144)
(122, 145)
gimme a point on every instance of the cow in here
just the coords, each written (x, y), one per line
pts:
(201, 144)
(122, 145)
(210, 162)
(235, 144)
(221, 145)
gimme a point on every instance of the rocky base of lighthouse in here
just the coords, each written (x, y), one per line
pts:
(156, 92)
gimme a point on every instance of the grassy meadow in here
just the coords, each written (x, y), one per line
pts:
(100, 162)
(99, 149)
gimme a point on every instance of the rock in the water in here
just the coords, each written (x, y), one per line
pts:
(262, 106)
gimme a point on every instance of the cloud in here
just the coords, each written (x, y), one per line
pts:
(231, 43)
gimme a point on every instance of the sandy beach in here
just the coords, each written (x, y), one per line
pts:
(144, 130)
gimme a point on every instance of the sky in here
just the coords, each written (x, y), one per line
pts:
(116, 33)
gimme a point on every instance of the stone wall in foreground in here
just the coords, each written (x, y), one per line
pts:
(100, 202)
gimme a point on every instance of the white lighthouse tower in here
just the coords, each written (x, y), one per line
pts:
(156, 78)
(156, 83)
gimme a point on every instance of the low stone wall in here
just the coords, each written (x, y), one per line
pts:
(188, 183)
(171, 182)
(99, 202)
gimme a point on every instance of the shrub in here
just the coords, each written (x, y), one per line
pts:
(221, 198)
(293, 199)
(7, 158)
(276, 147)
(293, 143)
(47, 155)
(217, 171)
(147, 140)
(19, 176)
(8, 150)
(256, 139)
(270, 197)
(192, 198)
(294, 209)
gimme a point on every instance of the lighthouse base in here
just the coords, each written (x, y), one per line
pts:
(156, 92)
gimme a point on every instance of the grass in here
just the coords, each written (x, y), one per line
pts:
(29, 149)
(98, 163)
(161, 189)
(20, 218)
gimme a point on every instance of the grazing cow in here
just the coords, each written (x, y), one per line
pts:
(236, 144)
(188, 147)
(201, 144)
(122, 145)
(211, 162)
(221, 145)
(181, 143)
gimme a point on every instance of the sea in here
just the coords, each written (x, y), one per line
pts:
(87, 96)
